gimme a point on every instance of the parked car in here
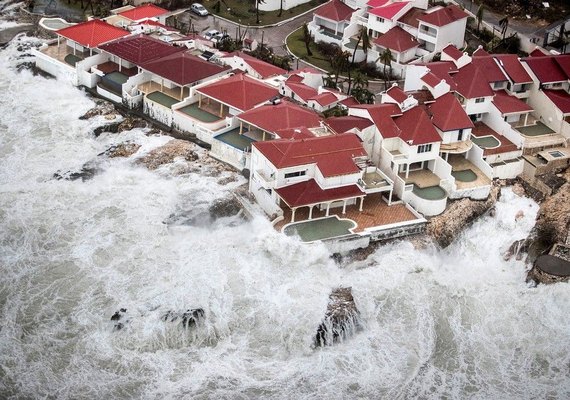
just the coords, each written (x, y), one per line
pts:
(219, 37)
(211, 33)
(199, 9)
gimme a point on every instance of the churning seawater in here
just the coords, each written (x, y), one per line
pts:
(454, 323)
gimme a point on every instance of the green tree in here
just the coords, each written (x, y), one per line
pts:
(479, 16)
(307, 38)
(386, 59)
(257, 3)
(365, 39)
(340, 63)
(329, 82)
(363, 96)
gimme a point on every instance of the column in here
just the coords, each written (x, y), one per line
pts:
(311, 212)
(241, 127)
(526, 118)
(328, 209)
(120, 65)
(221, 110)
(293, 214)
(407, 170)
(263, 135)
(390, 198)
(181, 92)
(361, 203)
(199, 100)
(344, 206)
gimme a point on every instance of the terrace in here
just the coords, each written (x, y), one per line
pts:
(466, 174)
(65, 54)
(490, 141)
(236, 140)
(375, 213)
(177, 94)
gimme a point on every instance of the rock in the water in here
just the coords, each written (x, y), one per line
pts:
(168, 153)
(518, 189)
(102, 107)
(188, 318)
(516, 249)
(118, 316)
(130, 123)
(121, 150)
(445, 227)
(342, 318)
(87, 171)
(549, 269)
(519, 215)
(226, 207)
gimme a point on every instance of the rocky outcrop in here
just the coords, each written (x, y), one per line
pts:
(188, 319)
(130, 123)
(119, 319)
(86, 172)
(225, 207)
(102, 107)
(342, 318)
(445, 227)
(126, 149)
(168, 153)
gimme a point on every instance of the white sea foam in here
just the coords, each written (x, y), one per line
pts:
(453, 323)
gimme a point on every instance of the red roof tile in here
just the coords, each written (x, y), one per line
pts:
(509, 104)
(480, 52)
(537, 53)
(397, 39)
(309, 192)
(140, 49)
(448, 115)
(239, 91)
(346, 123)
(513, 67)
(560, 98)
(397, 94)
(416, 127)
(152, 22)
(472, 83)
(452, 52)
(388, 11)
(333, 155)
(444, 16)
(335, 10)
(183, 68)
(285, 115)
(411, 17)
(382, 116)
(325, 98)
(432, 80)
(377, 3)
(301, 90)
(563, 61)
(546, 69)
(441, 70)
(489, 69)
(350, 101)
(264, 69)
(92, 33)
(143, 12)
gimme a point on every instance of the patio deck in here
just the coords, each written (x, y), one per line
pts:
(459, 163)
(151, 86)
(483, 131)
(161, 98)
(109, 67)
(234, 139)
(375, 213)
(199, 113)
(319, 229)
(422, 178)
(538, 129)
(60, 52)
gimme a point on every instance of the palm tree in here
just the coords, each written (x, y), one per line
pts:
(328, 81)
(280, 8)
(386, 59)
(257, 3)
(504, 24)
(307, 38)
(362, 36)
(479, 16)
(340, 63)
(360, 81)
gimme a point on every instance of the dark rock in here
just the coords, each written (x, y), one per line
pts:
(517, 249)
(102, 107)
(118, 326)
(188, 318)
(87, 171)
(226, 207)
(117, 316)
(168, 153)
(121, 150)
(342, 318)
(113, 127)
(131, 123)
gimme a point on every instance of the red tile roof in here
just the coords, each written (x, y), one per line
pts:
(325, 98)
(444, 16)
(152, 22)
(480, 52)
(239, 91)
(546, 69)
(264, 69)
(411, 17)
(490, 69)
(563, 61)
(377, 3)
(452, 52)
(441, 70)
(513, 67)
(416, 127)
(397, 94)
(397, 39)
(301, 90)
(350, 101)
(333, 155)
(560, 98)
(432, 80)
(143, 12)
(335, 10)
(285, 115)
(309, 192)
(183, 68)
(537, 53)
(139, 49)
(509, 104)
(92, 33)
(382, 116)
(472, 83)
(448, 115)
(388, 11)
(346, 123)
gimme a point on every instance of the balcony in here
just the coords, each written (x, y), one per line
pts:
(374, 181)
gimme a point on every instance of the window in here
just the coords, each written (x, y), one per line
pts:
(424, 148)
(460, 135)
(479, 99)
(295, 174)
(380, 19)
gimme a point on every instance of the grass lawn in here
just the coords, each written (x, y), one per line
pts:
(297, 46)
(243, 11)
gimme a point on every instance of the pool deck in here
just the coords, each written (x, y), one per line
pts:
(234, 139)
(506, 145)
(459, 163)
(60, 52)
(375, 213)
(149, 87)
(199, 113)
(422, 178)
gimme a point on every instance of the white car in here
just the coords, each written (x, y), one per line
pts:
(211, 33)
(199, 9)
